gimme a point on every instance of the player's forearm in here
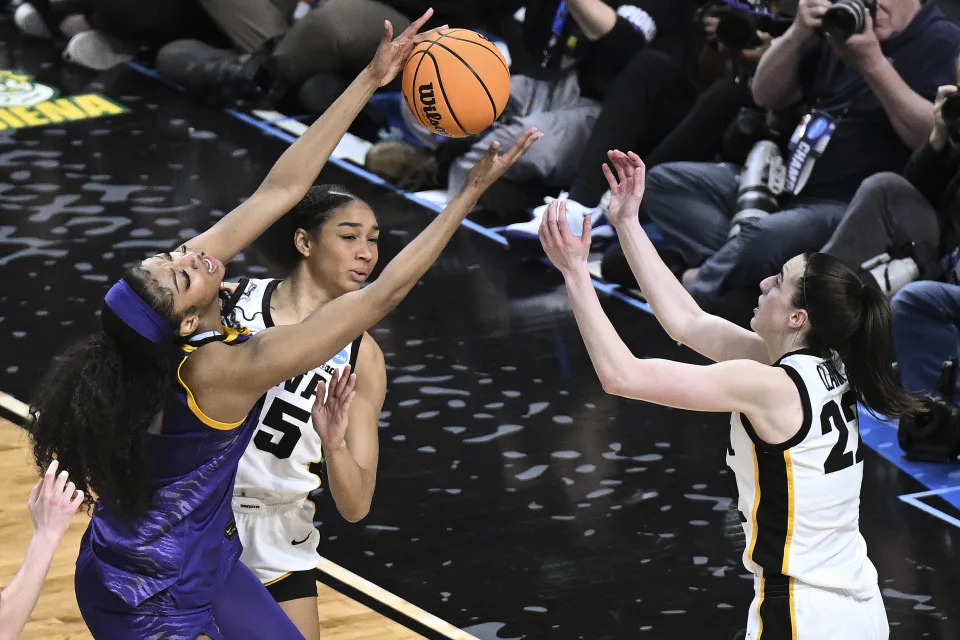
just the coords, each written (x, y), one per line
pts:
(403, 272)
(300, 164)
(669, 301)
(594, 17)
(19, 598)
(350, 484)
(611, 358)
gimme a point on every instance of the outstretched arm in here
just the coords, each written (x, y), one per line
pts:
(729, 386)
(52, 504)
(677, 312)
(233, 378)
(300, 164)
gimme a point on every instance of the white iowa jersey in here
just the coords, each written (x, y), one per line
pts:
(800, 501)
(281, 463)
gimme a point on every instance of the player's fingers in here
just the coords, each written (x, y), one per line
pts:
(557, 225)
(344, 381)
(35, 493)
(419, 22)
(321, 394)
(611, 180)
(61, 482)
(77, 500)
(387, 33)
(585, 234)
(68, 491)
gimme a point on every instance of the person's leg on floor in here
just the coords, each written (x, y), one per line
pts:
(647, 100)
(926, 332)
(761, 249)
(339, 36)
(692, 204)
(886, 210)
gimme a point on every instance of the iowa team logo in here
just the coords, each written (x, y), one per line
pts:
(25, 103)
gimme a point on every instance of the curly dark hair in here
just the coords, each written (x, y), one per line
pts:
(94, 406)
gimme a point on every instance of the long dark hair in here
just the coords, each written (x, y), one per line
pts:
(853, 320)
(96, 402)
(314, 209)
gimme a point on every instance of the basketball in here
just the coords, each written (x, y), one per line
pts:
(456, 83)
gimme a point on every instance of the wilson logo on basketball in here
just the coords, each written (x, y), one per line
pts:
(428, 102)
(456, 83)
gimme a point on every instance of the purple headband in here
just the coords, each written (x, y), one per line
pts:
(134, 312)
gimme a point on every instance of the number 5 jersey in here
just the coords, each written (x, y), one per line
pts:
(281, 466)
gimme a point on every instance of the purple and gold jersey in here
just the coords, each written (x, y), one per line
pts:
(187, 542)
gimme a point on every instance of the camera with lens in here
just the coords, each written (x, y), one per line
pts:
(950, 112)
(846, 18)
(762, 180)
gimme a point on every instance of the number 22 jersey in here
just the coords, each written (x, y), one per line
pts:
(799, 501)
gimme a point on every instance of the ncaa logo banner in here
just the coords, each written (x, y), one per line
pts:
(25, 103)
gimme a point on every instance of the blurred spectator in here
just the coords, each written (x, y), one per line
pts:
(656, 110)
(899, 227)
(100, 34)
(873, 93)
(558, 84)
(926, 332)
(311, 49)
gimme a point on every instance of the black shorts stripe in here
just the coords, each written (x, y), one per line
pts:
(294, 585)
(773, 511)
(776, 609)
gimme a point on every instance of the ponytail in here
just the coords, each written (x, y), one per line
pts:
(869, 363)
(854, 321)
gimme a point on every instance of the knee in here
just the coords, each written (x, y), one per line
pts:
(915, 299)
(886, 182)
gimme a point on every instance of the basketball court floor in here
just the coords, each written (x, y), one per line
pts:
(515, 499)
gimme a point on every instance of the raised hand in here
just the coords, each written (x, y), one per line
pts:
(331, 417)
(493, 165)
(565, 250)
(392, 54)
(627, 187)
(53, 502)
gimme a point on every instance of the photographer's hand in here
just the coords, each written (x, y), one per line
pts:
(711, 20)
(939, 136)
(862, 50)
(809, 17)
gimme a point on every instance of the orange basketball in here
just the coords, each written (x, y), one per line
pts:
(456, 83)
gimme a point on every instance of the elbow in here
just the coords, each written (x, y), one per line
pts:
(355, 512)
(612, 382)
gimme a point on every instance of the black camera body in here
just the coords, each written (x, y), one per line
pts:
(846, 18)
(933, 434)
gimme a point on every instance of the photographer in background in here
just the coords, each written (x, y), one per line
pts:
(899, 227)
(871, 103)
(666, 108)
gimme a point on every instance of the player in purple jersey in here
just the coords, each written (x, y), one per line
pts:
(152, 413)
